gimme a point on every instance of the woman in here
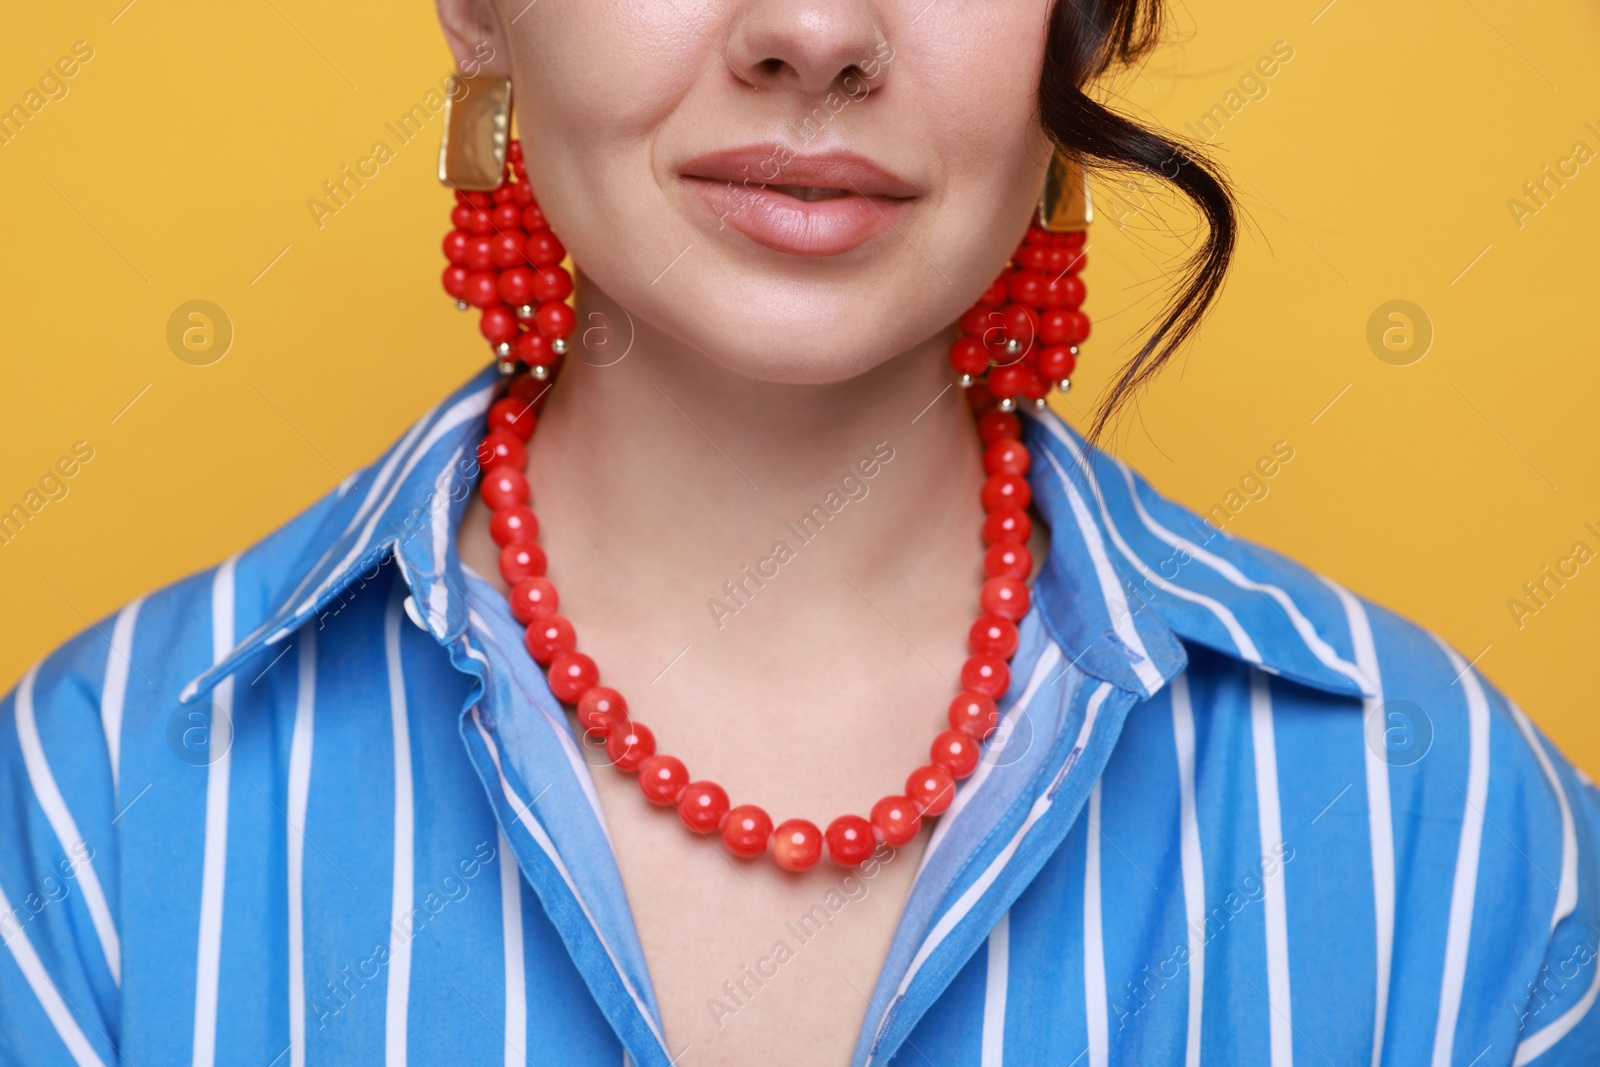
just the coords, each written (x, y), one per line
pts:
(360, 794)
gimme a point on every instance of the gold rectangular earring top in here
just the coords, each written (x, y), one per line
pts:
(1065, 205)
(477, 130)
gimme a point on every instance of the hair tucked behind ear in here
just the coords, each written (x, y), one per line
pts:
(1085, 38)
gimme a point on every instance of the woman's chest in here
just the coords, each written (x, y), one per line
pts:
(749, 963)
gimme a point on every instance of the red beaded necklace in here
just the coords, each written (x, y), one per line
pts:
(1022, 335)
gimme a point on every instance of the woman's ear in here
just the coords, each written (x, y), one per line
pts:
(477, 40)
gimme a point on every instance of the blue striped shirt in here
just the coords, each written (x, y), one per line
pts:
(317, 805)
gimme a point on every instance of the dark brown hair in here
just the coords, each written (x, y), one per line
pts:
(1085, 39)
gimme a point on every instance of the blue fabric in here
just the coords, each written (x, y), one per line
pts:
(316, 805)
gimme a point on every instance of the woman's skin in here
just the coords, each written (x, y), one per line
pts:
(755, 378)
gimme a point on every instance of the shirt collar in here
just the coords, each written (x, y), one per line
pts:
(1129, 576)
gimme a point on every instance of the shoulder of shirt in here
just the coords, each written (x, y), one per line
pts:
(219, 620)
(1178, 571)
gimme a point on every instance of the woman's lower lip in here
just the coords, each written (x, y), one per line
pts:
(775, 220)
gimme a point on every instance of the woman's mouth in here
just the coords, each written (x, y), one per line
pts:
(824, 204)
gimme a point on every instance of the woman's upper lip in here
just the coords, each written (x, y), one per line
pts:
(777, 165)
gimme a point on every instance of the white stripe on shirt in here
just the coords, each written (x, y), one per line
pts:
(1096, 1004)
(401, 921)
(1380, 818)
(997, 974)
(114, 689)
(54, 805)
(1116, 601)
(1194, 872)
(214, 866)
(516, 1028)
(1273, 900)
(49, 997)
(299, 796)
(1464, 888)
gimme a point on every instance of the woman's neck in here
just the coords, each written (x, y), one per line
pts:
(678, 472)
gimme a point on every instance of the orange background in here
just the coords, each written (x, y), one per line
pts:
(1377, 163)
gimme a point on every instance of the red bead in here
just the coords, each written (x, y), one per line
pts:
(507, 216)
(981, 322)
(629, 749)
(1006, 524)
(555, 319)
(514, 415)
(544, 249)
(974, 713)
(956, 752)
(516, 286)
(479, 253)
(850, 840)
(1007, 381)
(455, 246)
(1006, 456)
(987, 674)
(460, 213)
(702, 806)
(454, 280)
(1027, 287)
(1008, 559)
(478, 221)
(994, 635)
(1055, 325)
(483, 289)
(1006, 490)
(1006, 597)
(533, 219)
(533, 597)
(1033, 257)
(505, 250)
(502, 447)
(661, 778)
(968, 356)
(571, 674)
(503, 487)
(1057, 363)
(1022, 323)
(896, 819)
(513, 524)
(1077, 328)
(521, 195)
(522, 559)
(498, 324)
(548, 636)
(502, 193)
(931, 789)
(533, 348)
(797, 845)
(997, 293)
(1064, 291)
(1036, 235)
(747, 831)
(551, 283)
(601, 708)
(998, 426)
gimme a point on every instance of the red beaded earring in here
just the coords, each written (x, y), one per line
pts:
(503, 258)
(1022, 335)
